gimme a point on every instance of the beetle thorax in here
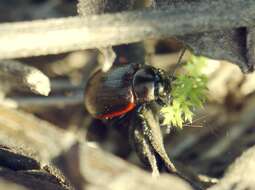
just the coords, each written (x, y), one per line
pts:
(151, 84)
(144, 85)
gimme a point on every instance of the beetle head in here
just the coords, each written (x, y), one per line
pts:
(163, 87)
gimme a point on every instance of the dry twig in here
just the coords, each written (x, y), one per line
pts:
(28, 102)
(68, 34)
(14, 74)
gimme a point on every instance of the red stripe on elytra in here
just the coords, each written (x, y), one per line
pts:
(129, 107)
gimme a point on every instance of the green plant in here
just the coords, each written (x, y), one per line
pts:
(188, 93)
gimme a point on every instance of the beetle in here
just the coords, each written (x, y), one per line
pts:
(118, 91)
(138, 91)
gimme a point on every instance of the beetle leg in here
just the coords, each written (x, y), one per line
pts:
(147, 138)
(145, 151)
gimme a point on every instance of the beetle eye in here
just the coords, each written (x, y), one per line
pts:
(161, 90)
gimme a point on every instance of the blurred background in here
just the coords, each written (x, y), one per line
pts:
(220, 131)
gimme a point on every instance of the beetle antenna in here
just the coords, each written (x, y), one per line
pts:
(178, 63)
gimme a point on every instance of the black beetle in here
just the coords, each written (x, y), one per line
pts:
(140, 90)
(121, 89)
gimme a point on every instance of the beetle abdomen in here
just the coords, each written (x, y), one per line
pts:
(110, 94)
